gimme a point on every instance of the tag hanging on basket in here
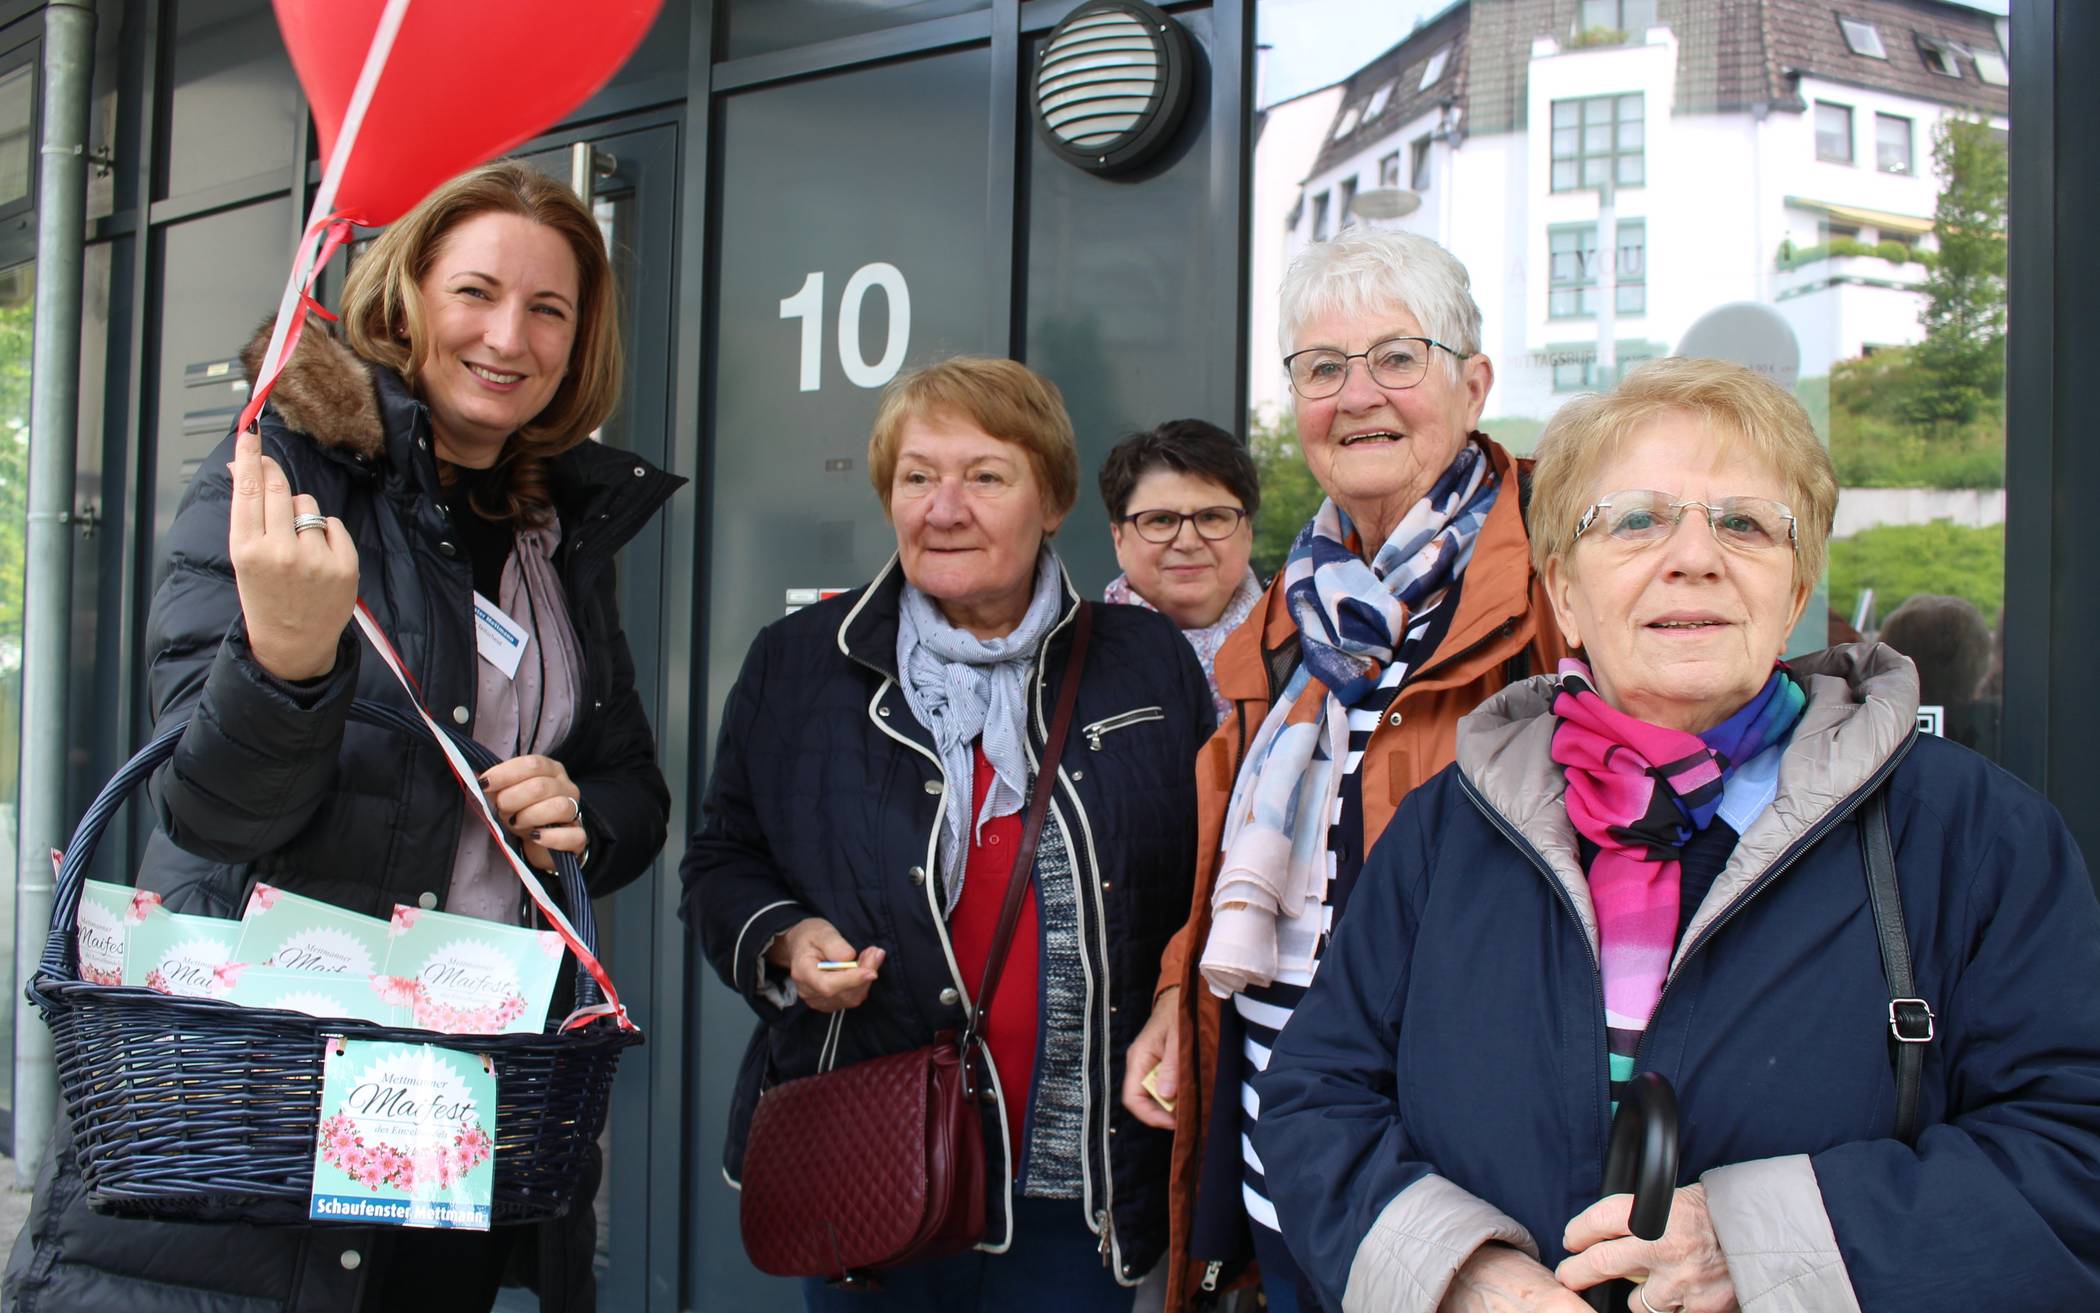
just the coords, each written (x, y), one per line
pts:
(406, 1136)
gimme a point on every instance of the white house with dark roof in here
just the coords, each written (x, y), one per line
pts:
(1776, 151)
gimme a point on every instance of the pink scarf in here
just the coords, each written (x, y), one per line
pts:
(1640, 792)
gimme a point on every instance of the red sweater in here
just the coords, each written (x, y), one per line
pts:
(1010, 1031)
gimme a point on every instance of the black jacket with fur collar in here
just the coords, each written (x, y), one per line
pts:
(270, 783)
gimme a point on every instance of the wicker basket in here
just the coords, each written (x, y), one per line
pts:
(201, 1110)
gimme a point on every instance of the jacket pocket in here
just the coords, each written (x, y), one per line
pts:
(1123, 720)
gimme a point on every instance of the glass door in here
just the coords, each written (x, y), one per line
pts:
(17, 321)
(1623, 189)
(630, 174)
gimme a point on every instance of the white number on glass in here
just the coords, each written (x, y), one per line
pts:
(858, 371)
(807, 305)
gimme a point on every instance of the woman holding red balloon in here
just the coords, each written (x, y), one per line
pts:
(436, 461)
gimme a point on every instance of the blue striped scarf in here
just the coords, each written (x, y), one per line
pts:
(1352, 619)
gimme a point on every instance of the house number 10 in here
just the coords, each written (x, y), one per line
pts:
(807, 305)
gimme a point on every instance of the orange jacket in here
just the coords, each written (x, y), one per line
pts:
(1504, 630)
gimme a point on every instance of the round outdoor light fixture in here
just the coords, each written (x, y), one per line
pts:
(1112, 84)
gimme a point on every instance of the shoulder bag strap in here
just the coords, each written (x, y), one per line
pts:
(1023, 874)
(1910, 1018)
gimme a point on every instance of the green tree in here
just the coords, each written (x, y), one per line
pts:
(17, 319)
(1866, 406)
(1963, 355)
(1288, 494)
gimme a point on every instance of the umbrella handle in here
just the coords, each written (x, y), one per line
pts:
(1642, 1162)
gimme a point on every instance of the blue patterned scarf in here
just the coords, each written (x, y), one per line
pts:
(962, 688)
(1352, 623)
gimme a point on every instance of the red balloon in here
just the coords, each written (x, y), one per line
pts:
(466, 80)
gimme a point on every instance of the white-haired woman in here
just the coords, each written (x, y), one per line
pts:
(1407, 600)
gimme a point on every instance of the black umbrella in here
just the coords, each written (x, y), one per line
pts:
(1642, 1161)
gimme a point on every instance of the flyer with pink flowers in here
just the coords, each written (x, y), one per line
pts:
(176, 954)
(314, 993)
(465, 976)
(107, 913)
(283, 929)
(407, 1136)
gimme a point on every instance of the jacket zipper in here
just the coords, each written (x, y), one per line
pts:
(1104, 1216)
(1545, 868)
(1794, 853)
(1125, 720)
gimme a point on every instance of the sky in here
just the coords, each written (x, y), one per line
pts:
(1315, 42)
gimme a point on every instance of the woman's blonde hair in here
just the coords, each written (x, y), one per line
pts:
(1745, 411)
(1005, 399)
(383, 313)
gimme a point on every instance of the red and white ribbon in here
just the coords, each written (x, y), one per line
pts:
(463, 772)
(306, 263)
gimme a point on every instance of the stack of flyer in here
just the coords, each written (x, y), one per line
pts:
(406, 1132)
(421, 970)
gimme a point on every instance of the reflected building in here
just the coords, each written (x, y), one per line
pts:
(1771, 151)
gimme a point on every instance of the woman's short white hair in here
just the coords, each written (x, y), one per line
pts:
(1363, 271)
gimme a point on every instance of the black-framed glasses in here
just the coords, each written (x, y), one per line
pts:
(1642, 517)
(1397, 362)
(1213, 523)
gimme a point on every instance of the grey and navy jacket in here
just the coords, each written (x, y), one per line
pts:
(1444, 1084)
(826, 800)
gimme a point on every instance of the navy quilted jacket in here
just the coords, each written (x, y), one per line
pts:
(825, 801)
(1446, 1079)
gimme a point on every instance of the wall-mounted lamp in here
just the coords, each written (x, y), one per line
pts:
(1112, 84)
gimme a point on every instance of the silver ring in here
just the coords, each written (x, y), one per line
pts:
(1640, 1292)
(577, 803)
(301, 523)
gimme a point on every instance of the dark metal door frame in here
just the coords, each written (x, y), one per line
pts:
(640, 926)
(2052, 466)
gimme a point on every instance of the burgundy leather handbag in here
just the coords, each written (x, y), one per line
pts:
(882, 1164)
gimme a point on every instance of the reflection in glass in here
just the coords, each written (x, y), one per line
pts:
(1820, 210)
(1592, 133)
(17, 321)
(17, 116)
(1891, 143)
(1833, 132)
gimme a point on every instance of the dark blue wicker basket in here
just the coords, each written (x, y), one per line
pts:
(196, 1109)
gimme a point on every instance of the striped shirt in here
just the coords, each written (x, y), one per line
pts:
(1264, 1009)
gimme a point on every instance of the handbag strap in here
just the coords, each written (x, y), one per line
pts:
(1023, 874)
(1910, 1017)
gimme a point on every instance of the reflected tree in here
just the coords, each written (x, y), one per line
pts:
(1963, 354)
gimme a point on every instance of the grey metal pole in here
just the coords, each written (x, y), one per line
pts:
(54, 412)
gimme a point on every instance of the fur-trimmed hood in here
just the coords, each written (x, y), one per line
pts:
(324, 391)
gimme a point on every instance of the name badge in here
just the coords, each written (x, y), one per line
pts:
(501, 639)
